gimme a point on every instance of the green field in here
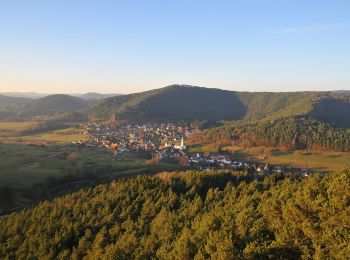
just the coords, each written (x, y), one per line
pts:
(317, 160)
(27, 132)
(24, 167)
(8, 129)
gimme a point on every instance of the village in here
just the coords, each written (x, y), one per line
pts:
(167, 142)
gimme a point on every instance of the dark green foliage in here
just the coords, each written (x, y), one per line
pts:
(22, 108)
(333, 111)
(53, 104)
(292, 133)
(276, 105)
(9, 105)
(7, 102)
(181, 102)
(219, 215)
(172, 103)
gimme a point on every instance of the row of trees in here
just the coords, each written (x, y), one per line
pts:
(293, 133)
(189, 215)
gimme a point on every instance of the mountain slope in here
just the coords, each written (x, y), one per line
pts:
(30, 95)
(174, 102)
(276, 105)
(51, 105)
(181, 102)
(292, 133)
(8, 100)
(10, 105)
(95, 95)
(332, 110)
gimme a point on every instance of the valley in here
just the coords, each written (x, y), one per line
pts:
(174, 130)
(48, 154)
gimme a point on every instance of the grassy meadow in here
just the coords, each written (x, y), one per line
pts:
(17, 128)
(24, 167)
(317, 160)
(27, 132)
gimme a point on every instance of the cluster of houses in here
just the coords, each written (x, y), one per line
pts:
(167, 141)
(144, 137)
(208, 161)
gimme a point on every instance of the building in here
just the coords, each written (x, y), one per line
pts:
(181, 146)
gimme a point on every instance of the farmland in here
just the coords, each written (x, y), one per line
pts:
(31, 170)
(33, 132)
(322, 161)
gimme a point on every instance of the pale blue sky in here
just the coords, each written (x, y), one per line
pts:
(129, 46)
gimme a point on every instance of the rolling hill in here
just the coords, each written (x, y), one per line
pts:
(95, 95)
(58, 105)
(189, 103)
(172, 103)
(291, 133)
(29, 95)
(8, 100)
(9, 105)
(182, 102)
(51, 105)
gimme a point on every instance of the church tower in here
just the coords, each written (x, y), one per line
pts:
(183, 146)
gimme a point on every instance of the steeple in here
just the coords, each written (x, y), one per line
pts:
(183, 146)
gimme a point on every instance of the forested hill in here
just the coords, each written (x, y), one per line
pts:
(172, 103)
(291, 133)
(193, 215)
(53, 104)
(26, 109)
(11, 101)
(182, 102)
(9, 105)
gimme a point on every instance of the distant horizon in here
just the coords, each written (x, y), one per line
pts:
(120, 93)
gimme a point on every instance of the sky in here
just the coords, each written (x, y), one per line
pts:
(130, 46)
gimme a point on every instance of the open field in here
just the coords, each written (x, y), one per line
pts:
(24, 167)
(27, 132)
(317, 160)
(8, 129)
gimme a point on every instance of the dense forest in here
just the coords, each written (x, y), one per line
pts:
(172, 103)
(292, 133)
(188, 215)
(58, 105)
(183, 102)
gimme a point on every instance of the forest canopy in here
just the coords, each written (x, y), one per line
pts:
(292, 133)
(223, 215)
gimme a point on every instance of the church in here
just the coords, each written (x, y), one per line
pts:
(181, 146)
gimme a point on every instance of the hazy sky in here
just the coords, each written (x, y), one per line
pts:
(128, 46)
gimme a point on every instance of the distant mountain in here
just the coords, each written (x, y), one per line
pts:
(189, 103)
(9, 106)
(58, 105)
(31, 95)
(94, 95)
(174, 102)
(8, 100)
(182, 102)
(36, 95)
(51, 105)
